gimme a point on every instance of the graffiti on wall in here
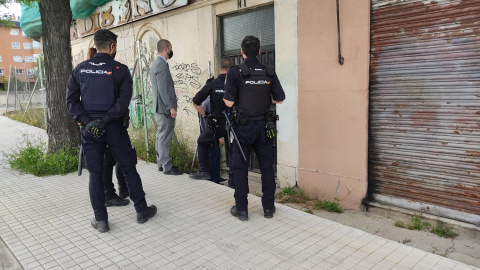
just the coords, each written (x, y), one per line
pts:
(116, 13)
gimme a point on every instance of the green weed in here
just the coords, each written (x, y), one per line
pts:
(178, 153)
(137, 136)
(308, 211)
(33, 117)
(291, 195)
(34, 159)
(443, 231)
(329, 206)
(400, 224)
(417, 224)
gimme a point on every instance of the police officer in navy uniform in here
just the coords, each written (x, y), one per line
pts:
(215, 120)
(99, 92)
(251, 88)
(111, 197)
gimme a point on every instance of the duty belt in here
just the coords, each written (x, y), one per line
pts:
(258, 117)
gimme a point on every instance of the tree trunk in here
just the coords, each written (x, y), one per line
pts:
(56, 20)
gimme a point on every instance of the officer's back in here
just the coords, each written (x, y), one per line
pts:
(251, 88)
(99, 92)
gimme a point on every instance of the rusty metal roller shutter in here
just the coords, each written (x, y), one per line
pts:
(425, 102)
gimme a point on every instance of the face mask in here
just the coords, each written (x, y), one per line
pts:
(170, 54)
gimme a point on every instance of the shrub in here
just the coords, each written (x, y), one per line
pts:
(33, 158)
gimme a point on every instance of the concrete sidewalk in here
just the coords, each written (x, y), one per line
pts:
(46, 224)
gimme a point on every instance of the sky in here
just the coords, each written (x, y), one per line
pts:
(12, 9)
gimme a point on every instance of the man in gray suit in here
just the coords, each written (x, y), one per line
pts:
(165, 104)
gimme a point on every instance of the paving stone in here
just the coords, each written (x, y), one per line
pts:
(192, 230)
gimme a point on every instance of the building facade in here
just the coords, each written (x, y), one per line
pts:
(17, 51)
(381, 95)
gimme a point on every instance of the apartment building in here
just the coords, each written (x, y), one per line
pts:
(17, 51)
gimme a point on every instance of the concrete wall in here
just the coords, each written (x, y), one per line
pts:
(193, 33)
(333, 100)
(286, 47)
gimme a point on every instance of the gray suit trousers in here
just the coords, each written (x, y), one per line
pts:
(163, 143)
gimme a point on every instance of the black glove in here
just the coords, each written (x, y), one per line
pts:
(96, 128)
(211, 122)
(84, 120)
(271, 130)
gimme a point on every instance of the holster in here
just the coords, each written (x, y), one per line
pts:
(126, 119)
(241, 117)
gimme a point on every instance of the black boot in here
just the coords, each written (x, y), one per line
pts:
(242, 215)
(200, 176)
(123, 194)
(117, 201)
(268, 213)
(101, 226)
(143, 217)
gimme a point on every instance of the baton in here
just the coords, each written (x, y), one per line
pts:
(80, 155)
(235, 138)
(80, 160)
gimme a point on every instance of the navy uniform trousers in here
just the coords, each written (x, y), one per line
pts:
(116, 137)
(206, 139)
(108, 165)
(254, 136)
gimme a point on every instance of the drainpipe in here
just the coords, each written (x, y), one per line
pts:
(341, 60)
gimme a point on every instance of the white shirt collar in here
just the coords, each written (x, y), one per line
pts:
(162, 58)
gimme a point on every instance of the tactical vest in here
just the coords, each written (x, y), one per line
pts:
(254, 94)
(97, 86)
(216, 97)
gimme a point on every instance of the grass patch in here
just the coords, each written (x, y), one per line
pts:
(329, 206)
(34, 159)
(180, 157)
(178, 154)
(33, 117)
(137, 136)
(295, 195)
(308, 211)
(443, 231)
(292, 195)
(417, 223)
(400, 224)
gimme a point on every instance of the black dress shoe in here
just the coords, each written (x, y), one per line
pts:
(242, 215)
(117, 201)
(123, 195)
(268, 213)
(143, 217)
(200, 176)
(173, 171)
(101, 226)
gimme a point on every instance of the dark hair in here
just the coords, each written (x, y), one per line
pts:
(103, 38)
(162, 44)
(91, 52)
(225, 64)
(251, 46)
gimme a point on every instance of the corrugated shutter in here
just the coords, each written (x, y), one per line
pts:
(425, 102)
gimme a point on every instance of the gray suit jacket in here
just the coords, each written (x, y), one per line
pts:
(163, 90)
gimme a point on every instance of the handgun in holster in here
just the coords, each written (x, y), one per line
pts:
(126, 119)
(241, 117)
